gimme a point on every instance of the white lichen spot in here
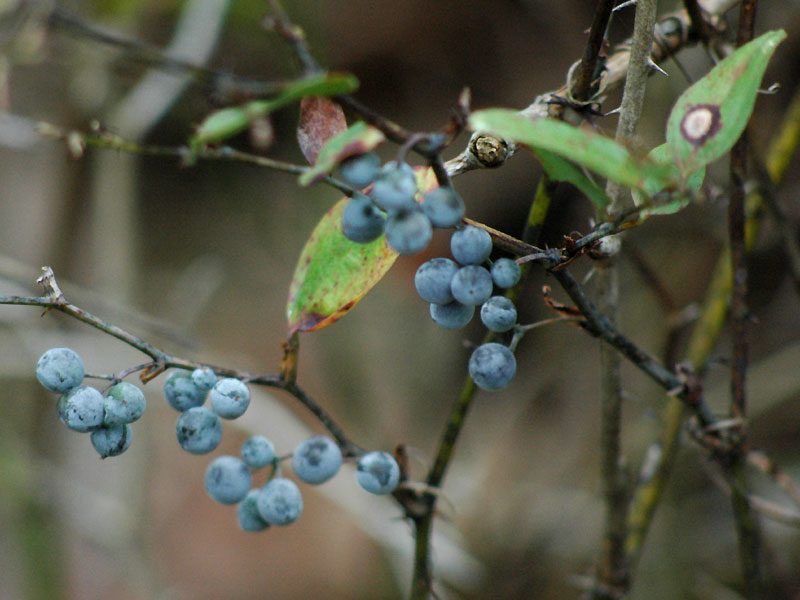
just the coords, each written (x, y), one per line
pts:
(700, 123)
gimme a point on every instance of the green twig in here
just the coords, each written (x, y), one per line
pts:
(426, 504)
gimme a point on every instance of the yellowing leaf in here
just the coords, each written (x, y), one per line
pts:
(333, 273)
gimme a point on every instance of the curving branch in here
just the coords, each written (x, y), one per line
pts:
(54, 299)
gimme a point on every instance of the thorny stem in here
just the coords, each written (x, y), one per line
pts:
(613, 571)
(745, 521)
(671, 41)
(55, 300)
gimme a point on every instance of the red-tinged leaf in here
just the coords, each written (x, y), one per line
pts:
(333, 273)
(358, 139)
(320, 119)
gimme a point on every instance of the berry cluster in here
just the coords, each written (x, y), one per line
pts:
(84, 409)
(391, 207)
(228, 479)
(453, 288)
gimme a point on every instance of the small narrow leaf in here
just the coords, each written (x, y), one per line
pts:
(359, 138)
(560, 169)
(225, 123)
(594, 151)
(320, 119)
(333, 273)
(710, 115)
(675, 199)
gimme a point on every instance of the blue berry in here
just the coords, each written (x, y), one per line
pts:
(182, 392)
(378, 472)
(444, 207)
(359, 171)
(408, 231)
(453, 315)
(124, 404)
(316, 459)
(395, 187)
(471, 285)
(492, 366)
(228, 480)
(362, 222)
(247, 513)
(112, 440)
(199, 430)
(60, 370)
(81, 409)
(505, 273)
(471, 245)
(258, 452)
(433, 278)
(498, 314)
(279, 502)
(230, 398)
(204, 378)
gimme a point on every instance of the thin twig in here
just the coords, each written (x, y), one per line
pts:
(101, 138)
(598, 325)
(700, 27)
(745, 521)
(587, 77)
(294, 35)
(613, 572)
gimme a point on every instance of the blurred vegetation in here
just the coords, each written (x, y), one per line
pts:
(199, 260)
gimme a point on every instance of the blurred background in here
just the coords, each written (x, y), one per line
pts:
(198, 260)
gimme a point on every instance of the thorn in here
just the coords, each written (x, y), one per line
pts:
(653, 65)
(623, 5)
(773, 89)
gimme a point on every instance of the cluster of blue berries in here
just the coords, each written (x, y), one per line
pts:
(279, 502)
(199, 428)
(84, 409)
(455, 288)
(229, 479)
(390, 207)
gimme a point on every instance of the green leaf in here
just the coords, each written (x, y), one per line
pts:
(562, 170)
(710, 115)
(333, 273)
(677, 198)
(594, 151)
(357, 139)
(225, 123)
